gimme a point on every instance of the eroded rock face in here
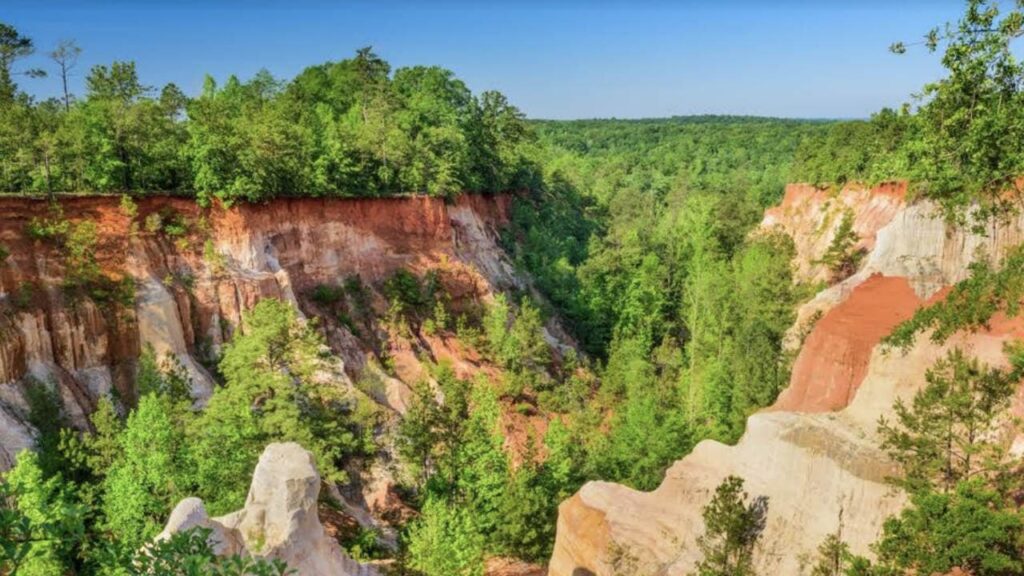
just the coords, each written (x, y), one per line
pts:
(279, 520)
(193, 288)
(812, 215)
(814, 454)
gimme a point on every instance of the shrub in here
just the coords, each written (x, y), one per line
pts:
(216, 261)
(53, 227)
(327, 294)
(411, 299)
(24, 295)
(80, 254)
(128, 207)
(153, 223)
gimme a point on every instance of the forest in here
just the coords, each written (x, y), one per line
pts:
(338, 129)
(638, 235)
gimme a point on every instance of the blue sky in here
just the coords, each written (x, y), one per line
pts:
(568, 59)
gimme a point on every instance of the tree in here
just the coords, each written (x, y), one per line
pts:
(765, 300)
(278, 388)
(432, 430)
(972, 527)
(40, 523)
(151, 473)
(648, 431)
(963, 485)
(842, 257)
(47, 417)
(130, 141)
(971, 304)
(834, 557)
(434, 111)
(971, 119)
(732, 528)
(528, 509)
(243, 142)
(948, 433)
(166, 377)
(88, 457)
(13, 47)
(65, 55)
(445, 541)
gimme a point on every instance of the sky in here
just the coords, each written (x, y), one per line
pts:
(559, 59)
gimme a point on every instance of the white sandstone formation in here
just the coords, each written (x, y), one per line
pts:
(279, 520)
(815, 454)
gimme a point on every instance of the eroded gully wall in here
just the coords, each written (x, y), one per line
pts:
(193, 289)
(814, 454)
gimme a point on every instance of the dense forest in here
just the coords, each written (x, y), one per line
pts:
(637, 235)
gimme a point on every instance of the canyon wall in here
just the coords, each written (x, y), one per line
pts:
(814, 454)
(196, 271)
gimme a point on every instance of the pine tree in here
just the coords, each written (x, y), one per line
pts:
(842, 257)
(947, 433)
(732, 527)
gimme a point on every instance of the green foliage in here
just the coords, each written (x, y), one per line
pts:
(869, 152)
(451, 437)
(150, 474)
(346, 128)
(972, 527)
(189, 553)
(166, 377)
(349, 305)
(958, 146)
(971, 119)
(328, 295)
(516, 342)
(842, 257)
(639, 235)
(834, 558)
(445, 541)
(274, 391)
(5, 253)
(80, 254)
(46, 415)
(365, 545)
(732, 529)
(648, 430)
(947, 434)
(963, 484)
(129, 209)
(213, 259)
(89, 457)
(53, 227)
(970, 304)
(430, 432)
(411, 299)
(40, 522)
(13, 47)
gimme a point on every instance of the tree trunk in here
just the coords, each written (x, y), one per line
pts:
(64, 81)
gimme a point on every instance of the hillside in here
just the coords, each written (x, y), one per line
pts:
(815, 453)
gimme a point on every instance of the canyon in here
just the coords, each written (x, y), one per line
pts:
(193, 288)
(814, 454)
(197, 271)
